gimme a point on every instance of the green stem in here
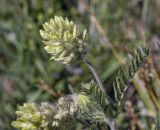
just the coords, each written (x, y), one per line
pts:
(90, 66)
(158, 121)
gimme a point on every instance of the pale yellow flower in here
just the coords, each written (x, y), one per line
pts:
(63, 40)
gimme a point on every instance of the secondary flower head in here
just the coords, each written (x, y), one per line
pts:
(46, 116)
(29, 118)
(63, 40)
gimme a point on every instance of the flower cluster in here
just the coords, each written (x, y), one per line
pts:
(66, 113)
(30, 118)
(46, 116)
(63, 40)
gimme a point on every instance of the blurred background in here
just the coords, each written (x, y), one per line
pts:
(115, 27)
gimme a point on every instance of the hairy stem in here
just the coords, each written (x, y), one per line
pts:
(158, 120)
(90, 66)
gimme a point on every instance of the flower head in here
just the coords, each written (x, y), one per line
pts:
(29, 118)
(66, 113)
(46, 116)
(63, 40)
